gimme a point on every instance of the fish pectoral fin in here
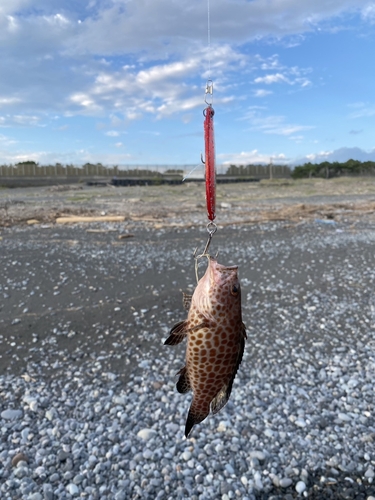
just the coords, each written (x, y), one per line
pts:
(183, 384)
(186, 300)
(177, 334)
(180, 331)
(204, 324)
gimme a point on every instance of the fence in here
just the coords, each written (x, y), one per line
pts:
(33, 170)
(259, 171)
(98, 170)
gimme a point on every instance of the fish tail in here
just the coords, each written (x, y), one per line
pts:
(197, 413)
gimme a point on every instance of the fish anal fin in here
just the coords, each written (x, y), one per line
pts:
(186, 300)
(177, 334)
(183, 384)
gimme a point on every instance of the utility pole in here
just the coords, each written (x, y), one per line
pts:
(271, 173)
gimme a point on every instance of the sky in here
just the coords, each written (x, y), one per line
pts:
(122, 82)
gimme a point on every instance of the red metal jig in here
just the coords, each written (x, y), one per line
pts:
(209, 162)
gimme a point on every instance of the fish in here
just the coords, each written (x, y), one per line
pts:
(215, 337)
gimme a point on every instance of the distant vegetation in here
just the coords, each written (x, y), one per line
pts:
(327, 169)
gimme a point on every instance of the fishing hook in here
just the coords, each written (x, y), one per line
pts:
(211, 229)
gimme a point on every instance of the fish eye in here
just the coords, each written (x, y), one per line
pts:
(234, 290)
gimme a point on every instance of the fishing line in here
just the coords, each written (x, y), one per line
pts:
(209, 144)
(209, 38)
(191, 171)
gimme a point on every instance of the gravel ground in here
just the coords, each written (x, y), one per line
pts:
(88, 405)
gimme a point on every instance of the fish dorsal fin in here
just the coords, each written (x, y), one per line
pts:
(186, 300)
(183, 384)
(177, 334)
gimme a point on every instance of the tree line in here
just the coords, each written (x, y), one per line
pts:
(328, 169)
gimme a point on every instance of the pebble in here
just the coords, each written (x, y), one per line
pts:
(344, 417)
(285, 482)
(35, 496)
(300, 422)
(300, 487)
(370, 472)
(147, 454)
(11, 414)
(259, 455)
(72, 489)
(229, 469)
(146, 434)
(301, 405)
(19, 457)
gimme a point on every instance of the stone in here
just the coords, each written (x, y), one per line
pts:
(300, 487)
(146, 434)
(19, 457)
(285, 482)
(11, 414)
(72, 489)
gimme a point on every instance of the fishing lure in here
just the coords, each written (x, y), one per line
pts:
(209, 142)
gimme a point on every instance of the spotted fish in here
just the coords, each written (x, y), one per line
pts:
(215, 341)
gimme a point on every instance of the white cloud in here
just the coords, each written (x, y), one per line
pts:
(6, 141)
(121, 60)
(254, 156)
(273, 124)
(368, 13)
(20, 120)
(7, 101)
(297, 138)
(341, 155)
(270, 64)
(173, 26)
(362, 110)
(262, 92)
(296, 79)
(281, 74)
(162, 52)
(318, 157)
(156, 90)
(112, 133)
(76, 157)
(275, 78)
(356, 105)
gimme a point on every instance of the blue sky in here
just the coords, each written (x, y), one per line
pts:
(123, 81)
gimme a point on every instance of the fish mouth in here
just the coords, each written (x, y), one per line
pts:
(214, 264)
(221, 273)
